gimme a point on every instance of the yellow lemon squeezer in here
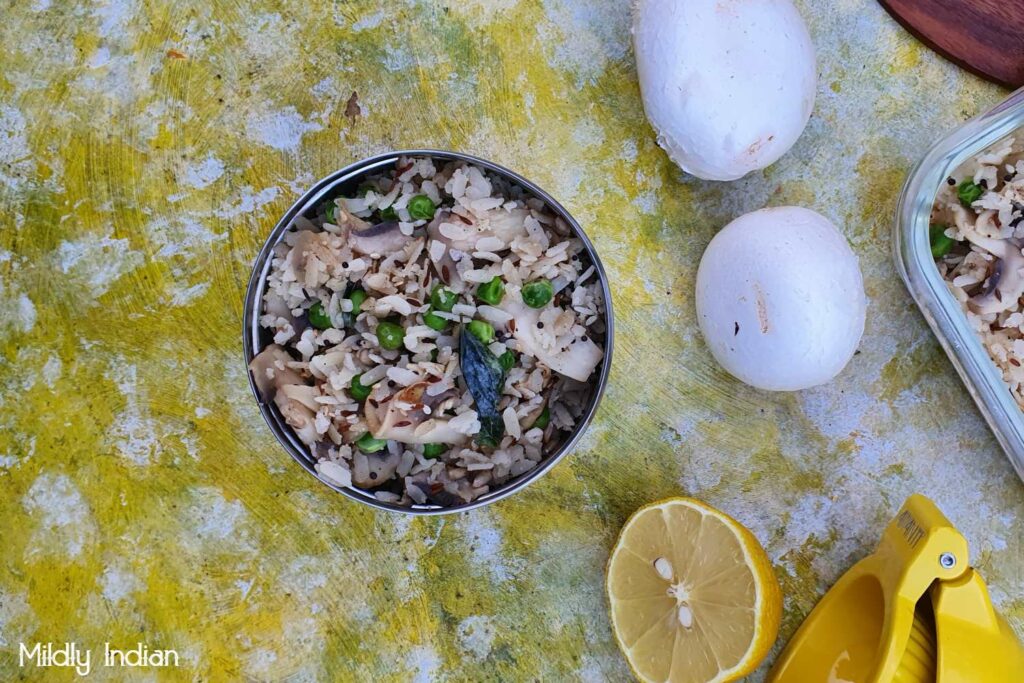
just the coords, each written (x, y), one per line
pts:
(912, 612)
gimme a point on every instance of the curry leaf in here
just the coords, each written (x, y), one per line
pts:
(485, 377)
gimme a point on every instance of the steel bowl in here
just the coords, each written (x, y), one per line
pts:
(254, 338)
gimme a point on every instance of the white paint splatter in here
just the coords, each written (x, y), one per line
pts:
(16, 159)
(26, 313)
(181, 296)
(368, 21)
(182, 236)
(216, 517)
(281, 130)
(244, 587)
(113, 16)
(260, 661)
(97, 263)
(248, 202)
(204, 173)
(585, 35)
(52, 369)
(629, 150)
(65, 524)
(588, 133)
(485, 542)
(424, 662)
(303, 578)
(133, 432)
(482, 12)
(99, 58)
(17, 620)
(476, 636)
(119, 583)
(325, 88)
(397, 58)
(646, 202)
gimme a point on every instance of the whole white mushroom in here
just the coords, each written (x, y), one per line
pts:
(728, 85)
(780, 299)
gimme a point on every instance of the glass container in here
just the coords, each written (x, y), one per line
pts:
(912, 251)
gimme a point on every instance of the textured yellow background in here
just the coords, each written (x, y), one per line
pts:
(145, 151)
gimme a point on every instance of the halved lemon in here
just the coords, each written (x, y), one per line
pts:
(692, 593)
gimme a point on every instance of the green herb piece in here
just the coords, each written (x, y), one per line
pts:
(491, 292)
(357, 297)
(390, 335)
(507, 360)
(542, 420)
(358, 390)
(538, 294)
(485, 377)
(443, 299)
(389, 214)
(941, 244)
(434, 321)
(318, 317)
(432, 450)
(330, 211)
(968, 192)
(368, 444)
(482, 331)
(421, 208)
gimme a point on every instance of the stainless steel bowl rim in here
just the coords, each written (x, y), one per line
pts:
(251, 328)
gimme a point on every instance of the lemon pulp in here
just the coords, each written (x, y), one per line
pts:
(692, 594)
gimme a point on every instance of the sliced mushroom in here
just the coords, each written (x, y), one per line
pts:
(370, 470)
(273, 304)
(402, 418)
(577, 361)
(380, 240)
(290, 393)
(498, 223)
(270, 371)
(371, 240)
(1005, 284)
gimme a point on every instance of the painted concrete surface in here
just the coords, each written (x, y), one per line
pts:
(146, 149)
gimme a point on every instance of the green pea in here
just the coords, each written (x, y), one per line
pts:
(491, 292)
(968, 192)
(368, 444)
(432, 450)
(940, 243)
(481, 330)
(443, 299)
(358, 390)
(330, 211)
(390, 335)
(542, 420)
(318, 317)
(538, 294)
(389, 214)
(421, 208)
(507, 360)
(357, 297)
(434, 321)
